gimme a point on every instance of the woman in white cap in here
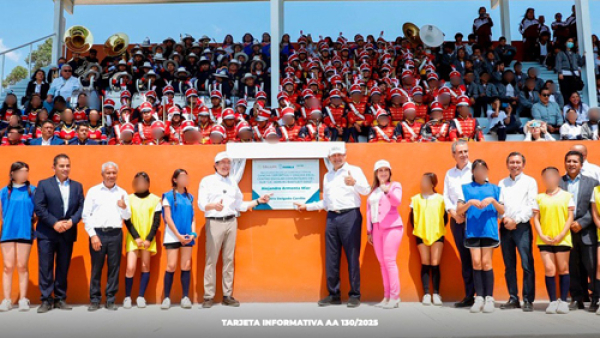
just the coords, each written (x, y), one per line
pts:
(385, 229)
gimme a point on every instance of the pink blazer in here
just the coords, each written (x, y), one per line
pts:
(388, 209)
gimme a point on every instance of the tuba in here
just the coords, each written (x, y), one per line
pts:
(411, 32)
(116, 44)
(431, 36)
(79, 39)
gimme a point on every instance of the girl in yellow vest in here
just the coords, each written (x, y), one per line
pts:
(596, 214)
(553, 215)
(145, 220)
(428, 217)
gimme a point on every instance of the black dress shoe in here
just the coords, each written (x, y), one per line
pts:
(511, 304)
(94, 307)
(527, 306)
(61, 304)
(593, 306)
(576, 304)
(353, 302)
(111, 306)
(330, 300)
(466, 302)
(45, 307)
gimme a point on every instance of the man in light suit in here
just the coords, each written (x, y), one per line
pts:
(582, 263)
(58, 206)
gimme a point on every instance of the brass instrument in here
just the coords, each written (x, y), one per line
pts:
(116, 44)
(411, 32)
(79, 39)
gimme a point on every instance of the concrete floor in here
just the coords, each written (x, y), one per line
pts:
(409, 320)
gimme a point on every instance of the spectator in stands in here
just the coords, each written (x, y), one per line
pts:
(9, 108)
(83, 133)
(14, 136)
(529, 29)
(37, 85)
(568, 65)
(548, 112)
(544, 51)
(560, 31)
(482, 28)
(33, 107)
(64, 86)
(508, 89)
(555, 95)
(580, 107)
(589, 129)
(505, 52)
(502, 120)
(47, 138)
(66, 128)
(537, 131)
(527, 98)
(14, 121)
(54, 72)
(532, 73)
(571, 130)
(35, 130)
(519, 75)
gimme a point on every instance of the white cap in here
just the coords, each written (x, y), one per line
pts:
(337, 150)
(382, 164)
(220, 156)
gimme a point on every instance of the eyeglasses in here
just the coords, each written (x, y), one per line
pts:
(546, 95)
(67, 71)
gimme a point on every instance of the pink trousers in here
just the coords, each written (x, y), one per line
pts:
(386, 243)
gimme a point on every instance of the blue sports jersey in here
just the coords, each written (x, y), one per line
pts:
(16, 213)
(182, 212)
(481, 223)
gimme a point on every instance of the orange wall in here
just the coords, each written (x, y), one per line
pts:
(280, 254)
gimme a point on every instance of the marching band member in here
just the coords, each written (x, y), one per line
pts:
(290, 130)
(395, 107)
(216, 98)
(96, 131)
(336, 116)
(271, 136)
(81, 110)
(144, 127)
(244, 132)
(217, 135)
(261, 124)
(436, 129)
(205, 125)
(359, 119)
(445, 99)
(158, 134)
(384, 130)
(190, 134)
(193, 105)
(127, 130)
(174, 125)
(66, 130)
(409, 130)
(421, 107)
(465, 126)
(315, 129)
(228, 123)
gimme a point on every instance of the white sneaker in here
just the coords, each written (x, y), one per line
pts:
(141, 302)
(563, 307)
(489, 305)
(437, 300)
(186, 303)
(426, 299)
(23, 304)
(598, 311)
(477, 305)
(166, 304)
(552, 307)
(6, 305)
(127, 303)
(382, 303)
(392, 304)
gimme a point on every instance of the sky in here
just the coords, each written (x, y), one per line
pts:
(32, 19)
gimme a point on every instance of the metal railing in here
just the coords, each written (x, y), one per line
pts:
(3, 56)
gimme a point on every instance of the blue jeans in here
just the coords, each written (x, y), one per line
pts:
(520, 239)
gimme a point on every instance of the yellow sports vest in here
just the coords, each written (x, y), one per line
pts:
(142, 216)
(428, 218)
(554, 212)
(597, 199)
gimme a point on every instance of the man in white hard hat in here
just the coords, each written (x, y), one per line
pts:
(342, 187)
(221, 200)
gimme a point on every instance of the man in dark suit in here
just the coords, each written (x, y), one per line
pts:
(582, 263)
(83, 133)
(48, 138)
(58, 205)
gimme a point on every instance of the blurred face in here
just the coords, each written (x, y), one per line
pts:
(223, 166)
(182, 180)
(551, 179)
(20, 176)
(62, 169)
(66, 72)
(575, 99)
(13, 136)
(67, 116)
(94, 116)
(109, 176)
(147, 115)
(572, 116)
(545, 96)
(337, 160)
(425, 184)
(461, 154)
(157, 133)
(216, 138)
(436, 114)
(83, 132)
(480, 173)
(140, 184)
(383, 175)
(383, 120)
(47, 130)
(573, 165)
(515, 165)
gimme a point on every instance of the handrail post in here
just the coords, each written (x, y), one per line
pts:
(29, 61)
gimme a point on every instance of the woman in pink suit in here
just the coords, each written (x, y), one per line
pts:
(385, 229)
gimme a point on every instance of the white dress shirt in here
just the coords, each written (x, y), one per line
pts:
(46, 142)
(214, 188)
(519, 197)
(339, 196)
(453, 182)
(100, 209)
(590, 170)
(65, 190)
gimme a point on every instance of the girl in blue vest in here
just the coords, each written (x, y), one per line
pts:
(482, 202)
(179, 238)
(16, 237)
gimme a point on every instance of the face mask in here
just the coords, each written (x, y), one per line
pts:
(570, 45)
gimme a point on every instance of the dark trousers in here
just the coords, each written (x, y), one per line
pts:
(112, 243)
(343, 231)
(520, 239)
(54, 261)
(582, 266)
(480, 107)
(567, 86)
(458, 231)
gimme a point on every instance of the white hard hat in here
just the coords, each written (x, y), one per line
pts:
(220, 156)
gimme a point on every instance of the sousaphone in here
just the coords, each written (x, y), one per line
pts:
(79, 39)
(411, 32)
(431, 36)
(116, 44)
